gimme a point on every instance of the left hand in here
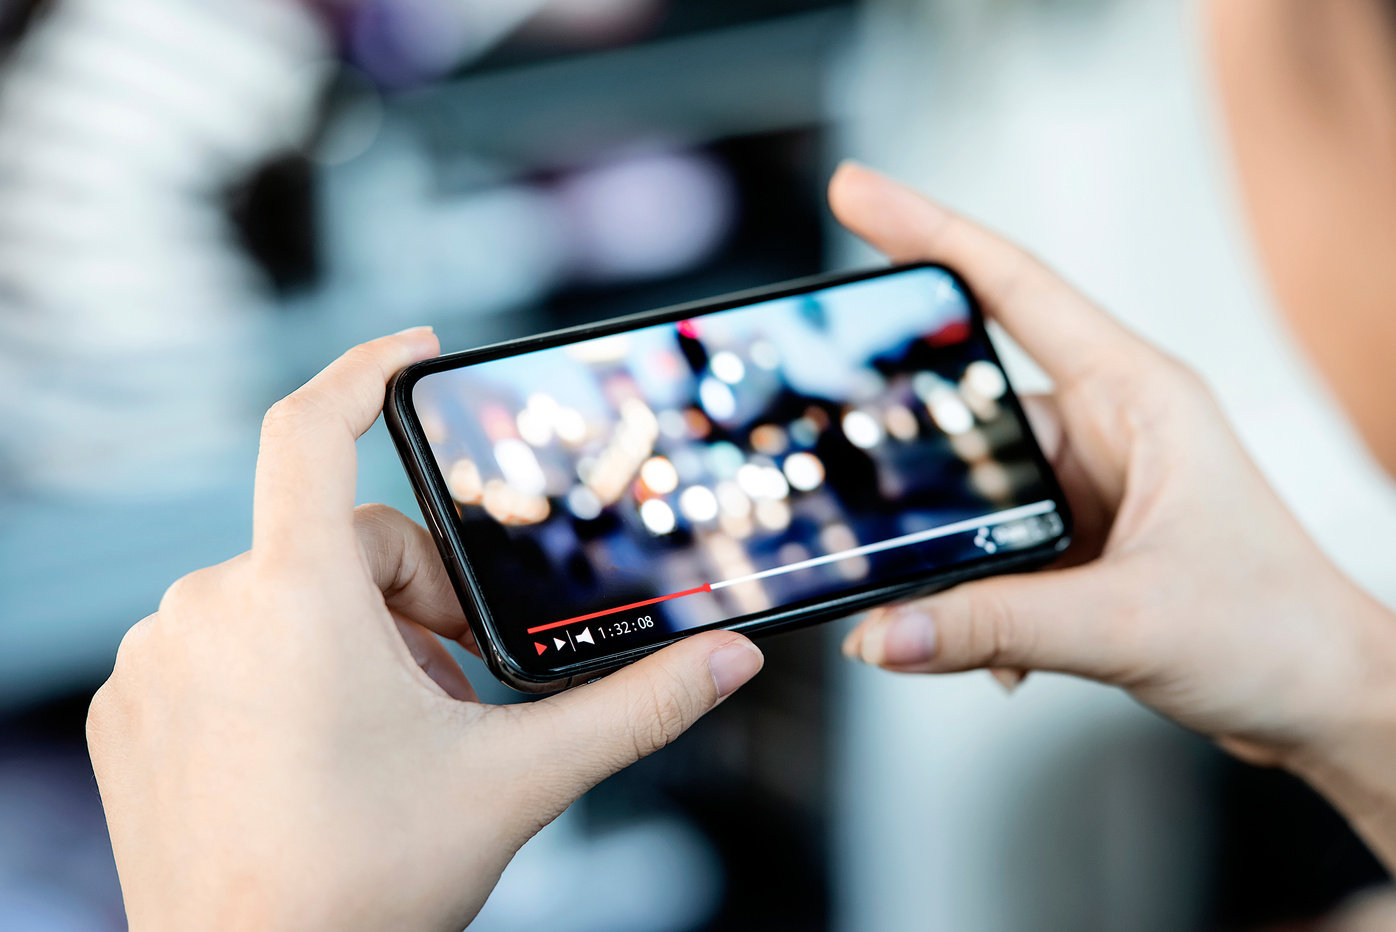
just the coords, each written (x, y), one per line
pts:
(1190, 584)
(285, 744)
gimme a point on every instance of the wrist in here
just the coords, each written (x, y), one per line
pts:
(1353, 760)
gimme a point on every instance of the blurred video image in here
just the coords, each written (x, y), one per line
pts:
(623, 488)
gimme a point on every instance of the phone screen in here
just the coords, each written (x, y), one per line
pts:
(613, 492)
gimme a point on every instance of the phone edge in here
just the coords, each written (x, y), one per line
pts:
(416, 460)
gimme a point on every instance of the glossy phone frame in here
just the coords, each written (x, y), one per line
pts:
(441, 515)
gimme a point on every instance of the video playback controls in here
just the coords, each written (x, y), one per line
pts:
(570, 643)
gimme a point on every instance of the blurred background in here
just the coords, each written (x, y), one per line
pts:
(204, 201)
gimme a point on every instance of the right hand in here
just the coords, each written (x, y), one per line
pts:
(1190, 584)
(286, 744)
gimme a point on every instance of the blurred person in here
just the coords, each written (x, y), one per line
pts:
(1309, 95)
(284, 744)
(133, 323)
(127, 311)
(133, 353)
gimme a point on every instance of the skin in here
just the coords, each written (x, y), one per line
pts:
(1185, 559)
(1309, 94)
(286, 744)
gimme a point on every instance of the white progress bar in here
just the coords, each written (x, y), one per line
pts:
(906, 540)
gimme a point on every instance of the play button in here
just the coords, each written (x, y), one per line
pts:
(541, 647)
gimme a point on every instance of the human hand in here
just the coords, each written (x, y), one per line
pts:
(1189, 584)
(285, 744)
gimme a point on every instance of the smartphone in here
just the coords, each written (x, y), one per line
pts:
(756, 462)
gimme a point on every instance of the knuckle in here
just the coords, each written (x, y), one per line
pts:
(381, 531)
(1151, 393)
(1177, 395)
(949, 227)
(376, 511)
(285, 412)
(182, 592)
(108, 715)
(176, 594)
(995, 632)
(1158, 371)
(130, 670)
(116, 722)
(660, 712)
(132, 645)
(99, 708)
(1178, 377)
(99, 720)
(376, 517)
(298, 412)
(363, 355)
(362, 368)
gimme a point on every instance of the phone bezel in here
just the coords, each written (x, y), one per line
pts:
(440, 512)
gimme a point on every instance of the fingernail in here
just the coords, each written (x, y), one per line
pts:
(1008, 679)
(910, 638)
(413, 331)
(733, 665)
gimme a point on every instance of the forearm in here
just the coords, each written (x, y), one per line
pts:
(1354, 766)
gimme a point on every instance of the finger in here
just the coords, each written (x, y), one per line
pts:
(406, 566)
(1045, 421)
(1091, 516)
(435, 661)
(1064, 332)
(307, 470)
(1062, 620)
(605, 726)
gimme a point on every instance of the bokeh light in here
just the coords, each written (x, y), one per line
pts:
(698, 504)
(728, 367)
(658, 517)
(862, 429)
(804, 471)
(660, 475)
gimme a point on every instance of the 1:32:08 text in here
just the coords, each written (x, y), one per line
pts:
(621, 628)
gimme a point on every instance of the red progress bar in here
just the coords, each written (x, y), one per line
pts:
(706, 587)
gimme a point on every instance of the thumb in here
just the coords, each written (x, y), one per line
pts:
(1063, 620)
(606, 726)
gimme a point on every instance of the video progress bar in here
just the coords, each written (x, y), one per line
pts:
(945, 530)
(906, 540)
(620, 608)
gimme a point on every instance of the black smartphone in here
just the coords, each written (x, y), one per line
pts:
(755, 462)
